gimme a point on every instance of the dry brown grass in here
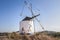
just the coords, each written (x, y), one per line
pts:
(38, 36)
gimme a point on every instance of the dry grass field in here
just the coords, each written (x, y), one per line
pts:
(37, 36)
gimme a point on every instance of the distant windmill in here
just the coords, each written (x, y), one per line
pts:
(27, 24)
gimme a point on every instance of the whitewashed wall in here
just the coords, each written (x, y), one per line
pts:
(28, 26)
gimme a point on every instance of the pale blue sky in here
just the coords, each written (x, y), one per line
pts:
(10, 14)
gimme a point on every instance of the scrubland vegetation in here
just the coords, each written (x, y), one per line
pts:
(36, 36)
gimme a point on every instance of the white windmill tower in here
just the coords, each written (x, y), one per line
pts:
(27, 24)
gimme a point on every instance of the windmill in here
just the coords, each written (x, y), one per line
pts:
(27, 24)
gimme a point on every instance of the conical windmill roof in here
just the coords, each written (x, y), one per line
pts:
(27, 18)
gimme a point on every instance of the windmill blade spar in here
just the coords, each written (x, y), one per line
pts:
(40, 24)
